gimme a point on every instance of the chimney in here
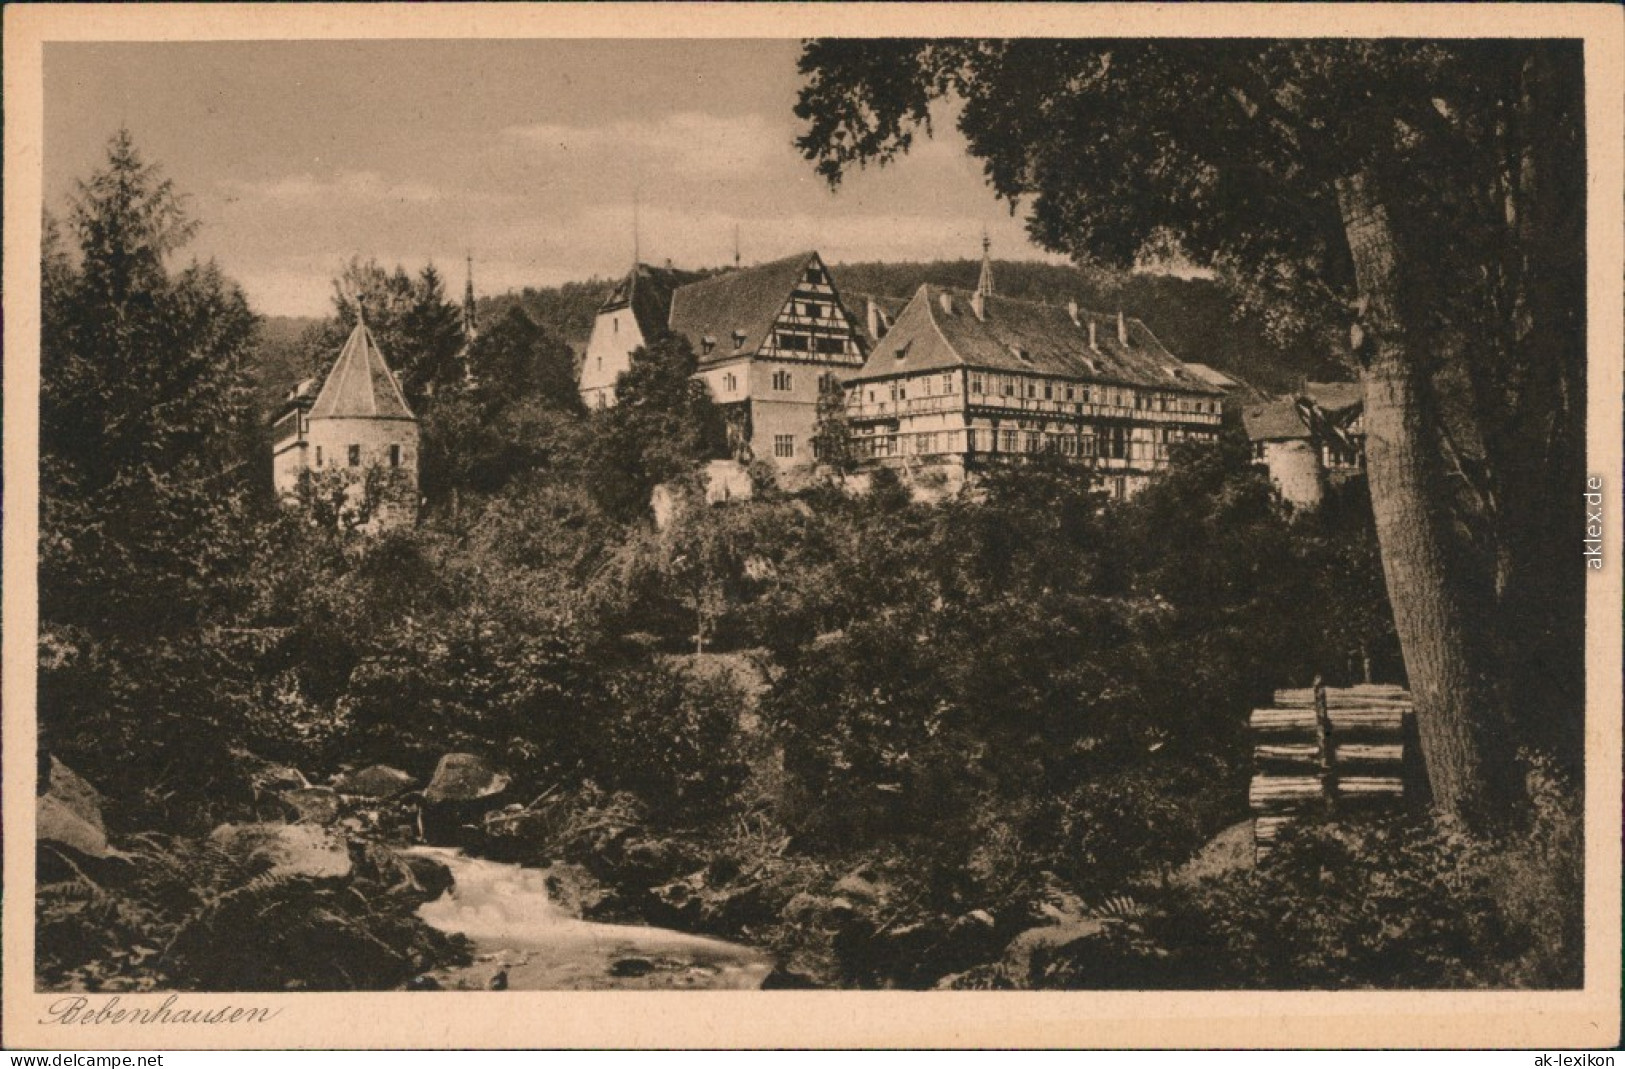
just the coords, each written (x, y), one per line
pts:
(1122, 329)
(947, 301)
(978, 305)
(873, 316)
(1072, 312)
(1094, 339)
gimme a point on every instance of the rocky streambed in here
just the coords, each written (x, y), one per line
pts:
(524, 941)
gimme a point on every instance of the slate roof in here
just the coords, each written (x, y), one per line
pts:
(747, 300)
(360, 384)
(648, 290)
(1025, 337)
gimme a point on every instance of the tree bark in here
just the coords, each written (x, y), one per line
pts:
(1454, 700)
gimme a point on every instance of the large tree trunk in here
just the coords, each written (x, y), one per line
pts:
(1438, 635)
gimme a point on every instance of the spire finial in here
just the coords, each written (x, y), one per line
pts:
(637, 256)
(470, 315)
(736, 246)
(984, 285)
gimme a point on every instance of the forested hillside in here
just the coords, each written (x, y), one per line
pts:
(1193, 317)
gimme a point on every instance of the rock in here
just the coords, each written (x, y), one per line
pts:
(571, 887)
(375, 781)
(272, 778)
(856, 886)
(431, 878)
(782, 979)
(976, 918)
(313, 805)
(632, 967)
(1018, 956)
(464, 777)
(287, 849)
(70, 813)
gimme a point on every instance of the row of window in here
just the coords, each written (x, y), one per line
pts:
(825, 344)
(353, 456)
(1033, 389)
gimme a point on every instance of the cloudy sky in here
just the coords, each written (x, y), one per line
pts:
(529, 154)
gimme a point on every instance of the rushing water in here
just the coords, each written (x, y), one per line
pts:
(520, 935)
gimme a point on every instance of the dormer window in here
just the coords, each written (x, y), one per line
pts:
(707, 343)
(1020, 354)
(902, 350)
(739, 339)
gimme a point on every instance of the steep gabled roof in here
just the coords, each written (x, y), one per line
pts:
(360, 384)
(648, 290)
(747, 301)
(1026, 337)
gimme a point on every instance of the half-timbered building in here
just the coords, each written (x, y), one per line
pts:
(963, 379)
(769, 339)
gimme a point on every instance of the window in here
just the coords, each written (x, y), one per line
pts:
(781, 380)
(1049, 392)
(976, 384)
(600, 363)
(1009, 441)
(394, 456)
(797, 343)
(831, 346)
(784, 445)
(948, 382)
(871, 397)
(1069, 393)
(1009, 388)
(318, 456)
(615, 325)
(1031, 390)
(730, 382)
(355, 456)
(815, 275)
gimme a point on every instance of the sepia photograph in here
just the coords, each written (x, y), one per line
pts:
(940, 512)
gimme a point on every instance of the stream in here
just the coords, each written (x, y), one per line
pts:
(533, 944)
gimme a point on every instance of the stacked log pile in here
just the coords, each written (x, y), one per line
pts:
(1327, 749)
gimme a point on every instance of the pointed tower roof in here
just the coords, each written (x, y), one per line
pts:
(361, 386)
(471, 323)
(984, 285)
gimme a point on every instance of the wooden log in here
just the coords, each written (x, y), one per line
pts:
(1387, 786)
(1347, 703)
(1371, 753)
(1287, 752)
(1267, 829)
(1283, 792)
(1390, 721)
(1332, 693)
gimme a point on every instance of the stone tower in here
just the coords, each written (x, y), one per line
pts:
(356, 439)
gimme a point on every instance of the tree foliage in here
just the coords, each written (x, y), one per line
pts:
(1422, 198)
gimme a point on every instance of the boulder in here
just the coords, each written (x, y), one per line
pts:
(375, 781)
(272, 778)
(70, 813)
(1231, 850)
(1018, 956)
(313, 805)
(464, 777)
(286, 849)
(859, 888)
